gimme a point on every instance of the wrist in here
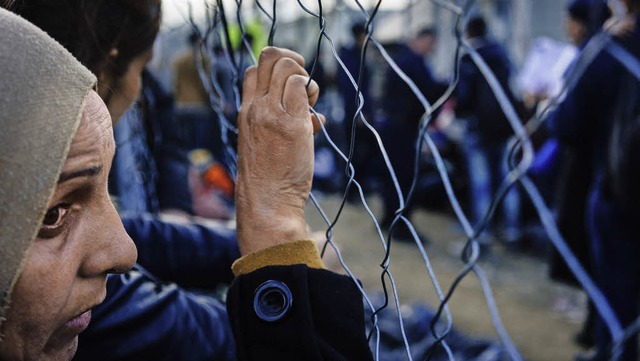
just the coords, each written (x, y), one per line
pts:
(259, 230)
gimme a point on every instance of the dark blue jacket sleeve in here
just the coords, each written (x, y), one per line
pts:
(325, 320)
(193, 255)
(143, 319)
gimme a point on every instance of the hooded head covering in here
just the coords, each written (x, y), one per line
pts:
(42, 90)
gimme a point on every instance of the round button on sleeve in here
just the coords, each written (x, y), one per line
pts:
(272, 300)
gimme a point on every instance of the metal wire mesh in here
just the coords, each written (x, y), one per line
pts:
(217, 30)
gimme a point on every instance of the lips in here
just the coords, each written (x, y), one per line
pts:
(78, 323)
(66, 336)
(74, 326)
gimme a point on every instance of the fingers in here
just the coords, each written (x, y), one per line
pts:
(316, 124)
(296, 103)
(282, 70)
(313, 91)
(294, 97)
(281, 75)
(274, 69)
(268, 58)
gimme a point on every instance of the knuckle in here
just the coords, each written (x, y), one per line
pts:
(250, 70)
(267, 54)
(271, 53)
(297, 80)
(289, 64)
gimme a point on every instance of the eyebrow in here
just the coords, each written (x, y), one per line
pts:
(87, 172)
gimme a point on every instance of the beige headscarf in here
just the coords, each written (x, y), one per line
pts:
(42, 89)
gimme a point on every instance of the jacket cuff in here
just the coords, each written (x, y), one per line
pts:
(287, 254)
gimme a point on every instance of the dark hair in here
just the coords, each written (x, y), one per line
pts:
(591, 14)
(634, 5)
(579, 11)
(193, 38)
(476, 27)
(90, 29)
(358, 29)
(427, 31)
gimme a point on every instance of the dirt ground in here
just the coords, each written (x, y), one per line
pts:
(540, 316)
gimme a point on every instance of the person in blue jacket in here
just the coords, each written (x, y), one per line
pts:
(570, 176)
(404, 111)
(488, 129)
(604, 100)
(365, 160)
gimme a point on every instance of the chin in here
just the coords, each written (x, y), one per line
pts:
(61, 352)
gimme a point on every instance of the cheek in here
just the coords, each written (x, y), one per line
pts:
(124, 97)
(134, 84)
(38, 302)
(130, 88)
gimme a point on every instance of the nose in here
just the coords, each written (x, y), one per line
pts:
(111, 250)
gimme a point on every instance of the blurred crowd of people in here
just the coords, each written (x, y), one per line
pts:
(174, 172)
(585, 163)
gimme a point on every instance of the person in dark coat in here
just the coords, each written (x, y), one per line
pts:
(488, 129)
(365, 147)
(607, 94)
(351, 57)
(576, 173)
(404, 111)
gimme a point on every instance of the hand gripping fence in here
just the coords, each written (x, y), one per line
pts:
(217, 30)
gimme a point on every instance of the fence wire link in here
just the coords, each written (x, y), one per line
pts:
(218, 31)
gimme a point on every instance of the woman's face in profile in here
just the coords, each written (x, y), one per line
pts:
(80, 241)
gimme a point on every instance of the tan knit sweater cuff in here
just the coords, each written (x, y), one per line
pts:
(287, 254)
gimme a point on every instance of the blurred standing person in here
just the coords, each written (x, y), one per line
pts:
(576, 173)
(364, 146)
(223, 80)
(187, 85)
(404, 112)
(351, 57)
(193, 112)
(601, 113)
(488, 129)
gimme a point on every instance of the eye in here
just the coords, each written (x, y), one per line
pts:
(54, 218)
